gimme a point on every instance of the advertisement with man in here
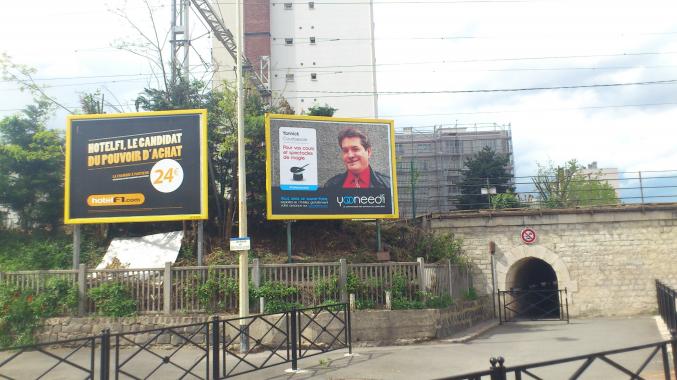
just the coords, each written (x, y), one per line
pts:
(330, 168)
(136, 167)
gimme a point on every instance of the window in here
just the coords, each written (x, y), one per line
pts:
(424, 147)
(290, 77)
(288, 5)
(313, 76)
(311, 5)
(312, 40)
(288, 41)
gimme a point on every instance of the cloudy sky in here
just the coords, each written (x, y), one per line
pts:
(586, 54)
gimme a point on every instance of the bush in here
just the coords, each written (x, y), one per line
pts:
(212, 293)
(113, 299)
(21, 310)
(470, 295)
(439, 302)
(277, 296)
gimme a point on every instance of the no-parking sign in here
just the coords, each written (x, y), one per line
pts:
(528, 235)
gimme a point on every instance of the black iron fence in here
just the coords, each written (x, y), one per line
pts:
(667, 306)
(217, 349)
(611, 364)
(533, 304)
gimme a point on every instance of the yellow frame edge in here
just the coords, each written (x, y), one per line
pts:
(393, 169)
(204, 211)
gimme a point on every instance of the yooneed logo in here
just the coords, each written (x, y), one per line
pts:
(351, 200)
(99, 200)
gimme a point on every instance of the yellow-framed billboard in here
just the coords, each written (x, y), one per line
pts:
(136, 167)
(330, 168)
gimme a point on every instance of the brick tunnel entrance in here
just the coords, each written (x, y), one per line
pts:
(535, 274)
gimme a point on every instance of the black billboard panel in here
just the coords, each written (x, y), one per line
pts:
(136, 167)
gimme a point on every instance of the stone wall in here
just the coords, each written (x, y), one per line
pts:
(606, 258)
(369, 327)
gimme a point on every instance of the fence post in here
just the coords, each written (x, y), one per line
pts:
(256, 273)
(2, 277)
(351, 302)
(343, 280)
(498, 372)
(82, 288)
(215, 348)
(167, 288)
(421, 276)
(389, 304)
(293, 336)
(451, 281)
(104, 362)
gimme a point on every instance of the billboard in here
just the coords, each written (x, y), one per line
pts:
(330, 168)
(136, 167)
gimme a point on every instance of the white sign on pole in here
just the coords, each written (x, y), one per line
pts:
(240, 244)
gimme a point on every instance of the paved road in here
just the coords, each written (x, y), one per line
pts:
(519, 343)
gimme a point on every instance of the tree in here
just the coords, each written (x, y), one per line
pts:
(485, 167)
(31, 166)
(568, 186)
(318, 110)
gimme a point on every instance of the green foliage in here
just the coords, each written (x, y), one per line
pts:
(326, 287)
(318, 110)
(21, 310)
(31, 167)
(438, 302)
(486, 166)
(435, 247)
(405, 303)
(113, 299)
(278, 296)
(470, 295)
(214, 291)
(568, 186)
(58, 297)
(505, 200)
(362, 304)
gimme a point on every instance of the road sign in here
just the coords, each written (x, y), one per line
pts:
(240, 244)
(528, 235)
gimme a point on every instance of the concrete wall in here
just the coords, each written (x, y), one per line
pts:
(369, 327)
(606, 258)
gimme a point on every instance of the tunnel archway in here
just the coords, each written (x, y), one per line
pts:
(534, 274)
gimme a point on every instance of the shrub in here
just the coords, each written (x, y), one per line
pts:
(439, 302)
(326, 288)
(21, 310)
(113, 299)
(212, 293)
(277, 296)
(470, 295)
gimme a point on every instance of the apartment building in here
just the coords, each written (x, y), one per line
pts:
(310, 53)
(437, 158)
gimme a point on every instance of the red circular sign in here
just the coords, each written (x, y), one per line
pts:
(528, 235)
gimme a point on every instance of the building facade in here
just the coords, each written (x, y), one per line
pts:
(312, 53)
(437, 158)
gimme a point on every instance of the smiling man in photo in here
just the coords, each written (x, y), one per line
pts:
(356, 151)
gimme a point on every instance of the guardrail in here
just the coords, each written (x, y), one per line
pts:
(667, 306)
(216, 349)
(177, 289)
(606, 361)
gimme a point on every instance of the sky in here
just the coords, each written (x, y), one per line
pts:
(471, 62)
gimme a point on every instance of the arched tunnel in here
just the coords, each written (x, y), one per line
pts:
(539, 279)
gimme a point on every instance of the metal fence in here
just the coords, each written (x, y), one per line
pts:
(216, 349)
(667, 306)
(613, 364)
(177, 289)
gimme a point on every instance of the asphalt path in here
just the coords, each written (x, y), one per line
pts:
(519, 343)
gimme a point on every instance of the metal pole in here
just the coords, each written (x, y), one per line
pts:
(373, 58)
(215, 348)
(76, 246)
(242, 183)
(413, 188)
(289, 260)
(641, 187)
(200, 242)
(379, 248)
(493, 284)
(293, 336)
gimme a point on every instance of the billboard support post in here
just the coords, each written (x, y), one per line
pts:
(378, 236)
(289, 260)
(76, 246)
(200, 242)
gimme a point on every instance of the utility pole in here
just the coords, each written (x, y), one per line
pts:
(180, 40)
(242, 183)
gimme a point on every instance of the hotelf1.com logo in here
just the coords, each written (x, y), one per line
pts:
(354, 201)
(102, 200)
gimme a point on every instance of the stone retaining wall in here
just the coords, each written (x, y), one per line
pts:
(369, 327)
